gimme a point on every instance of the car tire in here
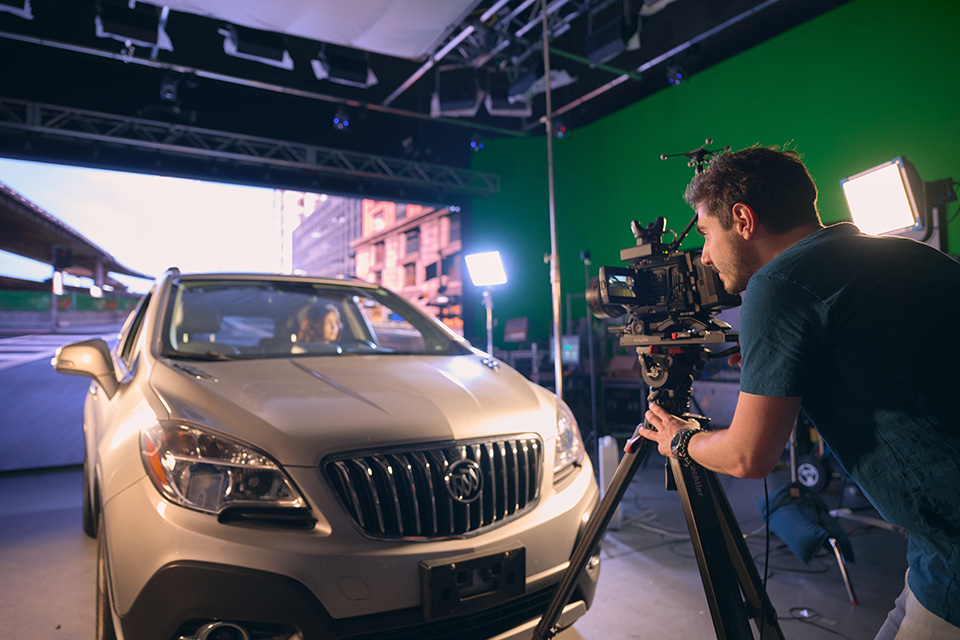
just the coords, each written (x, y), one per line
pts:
(89, 517)
(813, 473)
(105, 630)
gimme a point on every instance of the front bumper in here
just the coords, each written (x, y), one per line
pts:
(183, 596)
(173, 570)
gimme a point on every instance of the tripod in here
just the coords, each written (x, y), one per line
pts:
(732, 585)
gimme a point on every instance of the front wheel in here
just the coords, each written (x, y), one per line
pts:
(105, 630)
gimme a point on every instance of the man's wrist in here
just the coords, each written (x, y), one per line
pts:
(680, 444)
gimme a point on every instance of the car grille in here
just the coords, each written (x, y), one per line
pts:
(414, 493)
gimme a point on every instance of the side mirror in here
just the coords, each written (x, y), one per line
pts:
(90, 358)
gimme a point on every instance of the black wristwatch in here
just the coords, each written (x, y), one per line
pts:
(680, 442)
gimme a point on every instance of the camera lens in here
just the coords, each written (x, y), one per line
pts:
(596, 305)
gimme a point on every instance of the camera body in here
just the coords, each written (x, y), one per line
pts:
(659, 284)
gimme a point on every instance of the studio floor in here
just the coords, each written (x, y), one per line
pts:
(649, 583)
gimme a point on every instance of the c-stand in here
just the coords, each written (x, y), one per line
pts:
(733, 588)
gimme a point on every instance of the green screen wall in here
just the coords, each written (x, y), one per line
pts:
(860, 85)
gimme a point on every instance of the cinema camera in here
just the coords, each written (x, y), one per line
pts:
(670, 298)
(662, 291)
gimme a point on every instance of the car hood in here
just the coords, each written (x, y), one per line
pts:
(299, 410)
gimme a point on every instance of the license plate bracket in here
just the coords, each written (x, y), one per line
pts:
(469, 583)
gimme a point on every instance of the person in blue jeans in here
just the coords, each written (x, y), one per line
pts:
(859, 331)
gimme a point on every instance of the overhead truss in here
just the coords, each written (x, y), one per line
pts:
(182, 140)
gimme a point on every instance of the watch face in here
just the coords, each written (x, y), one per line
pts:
(677, 437)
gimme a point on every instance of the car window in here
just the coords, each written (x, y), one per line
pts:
(224, 319)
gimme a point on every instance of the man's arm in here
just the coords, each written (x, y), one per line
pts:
(750, 448)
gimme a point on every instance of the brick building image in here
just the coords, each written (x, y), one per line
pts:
(414, 250)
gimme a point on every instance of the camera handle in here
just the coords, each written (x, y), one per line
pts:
(732, 585)
(697, 159)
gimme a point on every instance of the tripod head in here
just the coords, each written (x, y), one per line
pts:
(670, 357)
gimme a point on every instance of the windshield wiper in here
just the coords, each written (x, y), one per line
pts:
(206, 355)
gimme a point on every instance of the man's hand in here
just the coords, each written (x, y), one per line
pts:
(666, 425)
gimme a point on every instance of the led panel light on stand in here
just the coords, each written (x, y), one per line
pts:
(884, 199)
(486, 270)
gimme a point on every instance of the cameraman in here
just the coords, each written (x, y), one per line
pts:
(858, 330)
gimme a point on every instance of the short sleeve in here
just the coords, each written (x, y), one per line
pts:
(781, 338)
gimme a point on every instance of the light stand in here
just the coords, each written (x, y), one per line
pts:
(486, 270)
(585, 256)
(488, 303)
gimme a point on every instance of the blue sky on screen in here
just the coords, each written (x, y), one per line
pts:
(149, 223)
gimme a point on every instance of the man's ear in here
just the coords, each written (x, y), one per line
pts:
(744, 220)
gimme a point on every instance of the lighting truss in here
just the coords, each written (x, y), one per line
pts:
(180, 140)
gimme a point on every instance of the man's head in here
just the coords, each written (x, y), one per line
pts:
(749, 204)
(773, 183)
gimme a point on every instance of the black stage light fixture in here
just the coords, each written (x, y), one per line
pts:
(169, 89)
(344, 66)
(612, 28)
(675, 74)
(533, 81)
(341, 119)
(268, 47)
(498, 101)
(458, 93)
(17, 7)
(142, 24)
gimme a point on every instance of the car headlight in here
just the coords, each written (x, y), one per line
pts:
(569, 443)
(210, 472)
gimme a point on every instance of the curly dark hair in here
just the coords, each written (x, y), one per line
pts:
(773, 182)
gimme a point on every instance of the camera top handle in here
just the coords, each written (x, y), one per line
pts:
(698, 158)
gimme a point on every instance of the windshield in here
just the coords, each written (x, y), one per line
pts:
(223, 319)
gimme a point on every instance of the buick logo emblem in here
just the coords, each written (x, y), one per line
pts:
(464, 480)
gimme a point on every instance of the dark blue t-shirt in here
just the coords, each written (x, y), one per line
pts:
(864, 329)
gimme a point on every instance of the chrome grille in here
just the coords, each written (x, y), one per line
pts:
(402, 493)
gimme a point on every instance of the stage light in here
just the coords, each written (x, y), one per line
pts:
(19, 8)
(486, 270)
(141, 24)
(882, 199)
(169, 89)
(498, 102)
(341, 119)
(611, 30)
(534, 82)
(344, 66)
(675, 74)
(559, 129)
(458, 93)
(265, 47)
(476, 144)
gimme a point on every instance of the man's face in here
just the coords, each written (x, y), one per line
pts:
(726, 252)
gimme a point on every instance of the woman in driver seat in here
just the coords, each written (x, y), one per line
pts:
(320, 324)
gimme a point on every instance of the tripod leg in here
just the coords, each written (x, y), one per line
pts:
(730, 579)
(592, 535)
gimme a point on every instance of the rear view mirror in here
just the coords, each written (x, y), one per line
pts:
(90, 358)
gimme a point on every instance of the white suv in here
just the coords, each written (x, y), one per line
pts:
(275, 457)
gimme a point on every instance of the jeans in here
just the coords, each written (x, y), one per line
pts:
(909, 620)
